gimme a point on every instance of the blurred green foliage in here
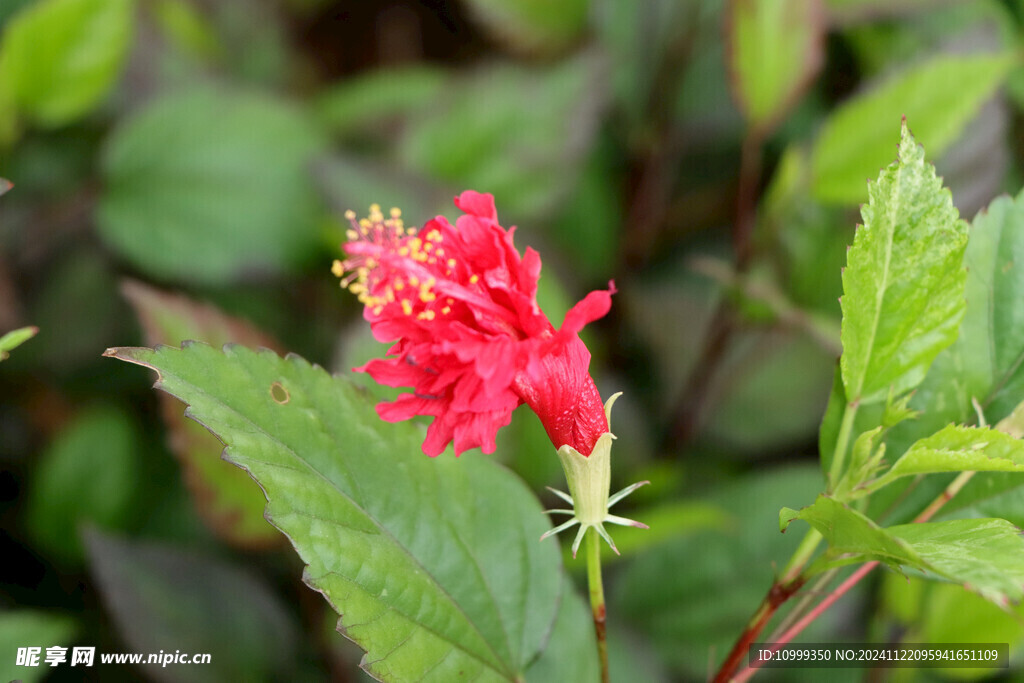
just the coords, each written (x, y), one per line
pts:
(208, 149)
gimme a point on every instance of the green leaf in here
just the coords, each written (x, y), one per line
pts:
(61, 57)
(378, 95)
(636, 36)
(977, 621)
(985, 362)
(188, 29)
(208, 186)
(14, 339)
(957, 448)
(769, 392)
(31, 628)
(87, 475)
(848, 531)
(903, 287)
(567, 636)
(985, 555)
(520, 133)
(227, 499)
(939, 97)
(692, 594)
(533, 25)
(993, 336)
(163, 597)
(434, 564)
(776, 50)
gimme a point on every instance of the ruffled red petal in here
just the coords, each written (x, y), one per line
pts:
(470, 340)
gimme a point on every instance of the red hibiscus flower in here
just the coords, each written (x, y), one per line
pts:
(460, 306)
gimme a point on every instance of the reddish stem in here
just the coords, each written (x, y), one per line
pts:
(799, 626)
(778, 594)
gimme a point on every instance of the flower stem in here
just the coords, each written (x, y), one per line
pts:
(842, 445)
(947, 494)
(597, 605)
(788, 583)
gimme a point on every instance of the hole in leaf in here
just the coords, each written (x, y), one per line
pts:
(279, 393)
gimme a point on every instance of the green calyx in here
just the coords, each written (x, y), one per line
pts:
(589, 479)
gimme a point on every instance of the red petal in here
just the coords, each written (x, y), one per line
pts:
(477, 204)
(595, 305)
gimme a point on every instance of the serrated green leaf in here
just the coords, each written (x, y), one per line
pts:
(208, 186)
(776, 49)
(164, 597)
(31, 628)
(86, 476)
(61, 57)
(434, 564)
(984, 555)
(865, 460)
(226, 498)
(957, 448)
(938, 97)
(848, 531)
(985, 361)
(903, 287)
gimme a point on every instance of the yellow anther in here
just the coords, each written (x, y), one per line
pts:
(403, 251)
(352, 235)
(426, 297)
(446, 310)
(337, 268)
(414, 281)
(396, 212)
(473, 279)
(365, 222)
(406, 307)
(435, 235)
(399, 285)
(350, 215)
(412, 231)
(451, 263)
(426, 315)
